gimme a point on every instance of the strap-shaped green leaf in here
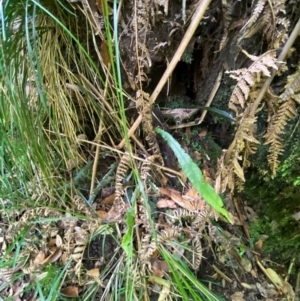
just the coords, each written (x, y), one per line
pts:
(194, 174)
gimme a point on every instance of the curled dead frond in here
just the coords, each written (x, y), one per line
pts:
(83, 208)
(118, 207)
(144, 105)
(276, 127)
(268, 17)
(285, 111)
(292, 87)
(197, 252)
(256, 13)
(227, 8)
(122, 169)
(248, 77)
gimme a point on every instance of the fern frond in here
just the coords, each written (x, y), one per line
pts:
(122, 170)
(248, 77)
(197, 253)
(285, 112)
(227, 8)
(292, 87)
(260, 5)
(268, 17)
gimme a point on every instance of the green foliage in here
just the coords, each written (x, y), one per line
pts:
(204, 145)
(278, 198)
(188, 286)
(187, 56)
(281, 244)
(194, 174)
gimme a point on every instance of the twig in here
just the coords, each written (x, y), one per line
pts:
(241, 218)
(292, 263)
(222, 274)
(177, 56)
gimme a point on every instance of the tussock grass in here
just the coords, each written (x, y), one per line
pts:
(55, 89)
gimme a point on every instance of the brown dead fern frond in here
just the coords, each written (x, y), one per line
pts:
(248, 77)
(257, 11)
(144, 105)
(227, 9)
(286, 111)
(118, 208)
(268, 17)
(292, 87)
(122, 169)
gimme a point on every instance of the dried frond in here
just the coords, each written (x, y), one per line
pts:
(148, 247)
(197, 252)
(83, 208)
(245, 143)
(144, 105)
(259, 7)
(268, 17)
(146, 166)
(248, 77)
(227, 8)
(122, 170)
(292, 87)
(276, 126)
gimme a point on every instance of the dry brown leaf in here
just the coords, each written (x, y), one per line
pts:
(192, 193)
(157, 272)
(155, 254)
(104, 52)
(95, 273)
(39, 259)
(179, 200)
(238, 296)
(164, 266)
(166, 203)
(258, 245)
(51, 243)
(53, 257)
(102, 214)
(287, 289)
(70, 291)
(179, 114)
(109, 199)
(202, 133)
(64, 259)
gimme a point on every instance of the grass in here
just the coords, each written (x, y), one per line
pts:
(54, 89)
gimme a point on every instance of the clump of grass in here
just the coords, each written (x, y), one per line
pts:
(52, 94)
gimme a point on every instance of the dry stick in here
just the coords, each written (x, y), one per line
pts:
(244, 225)
(225, 277)
(185, 41)
(94, 171)
(208, 103)
(267, 83)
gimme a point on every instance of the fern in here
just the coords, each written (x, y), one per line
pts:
(268, 17)
(248, 77)
(260, 5)
(285, 112)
